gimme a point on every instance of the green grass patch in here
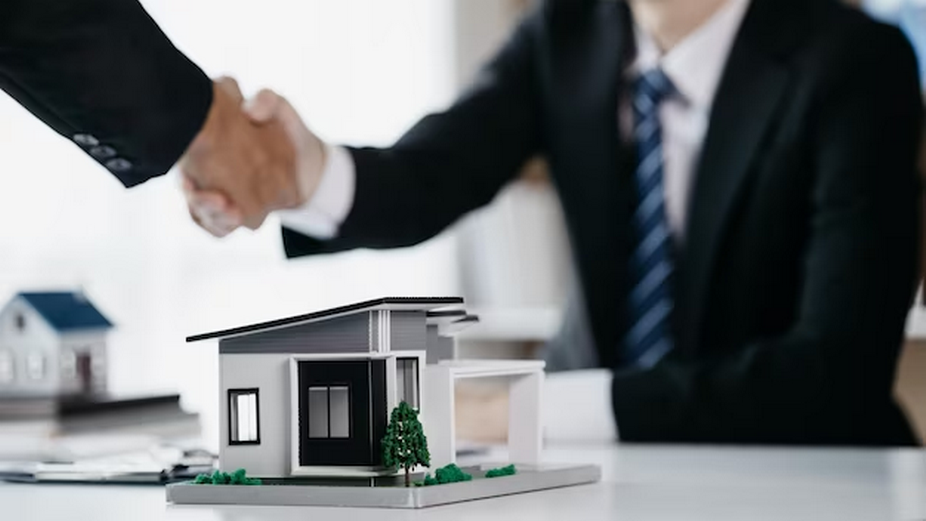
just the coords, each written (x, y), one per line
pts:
(444, 475)
(502, 471)
(238, 477)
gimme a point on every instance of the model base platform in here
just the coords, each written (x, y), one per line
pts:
(387, 492)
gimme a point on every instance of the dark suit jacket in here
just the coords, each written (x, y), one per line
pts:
(801, 241)
(101, 73)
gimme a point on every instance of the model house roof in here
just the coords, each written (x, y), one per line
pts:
(459, 325)
(444, 318)
(67, 311)
(390, 303)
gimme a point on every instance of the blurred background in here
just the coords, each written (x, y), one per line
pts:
(359, 72)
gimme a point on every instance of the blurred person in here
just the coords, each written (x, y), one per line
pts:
(739, 183)
(103, 75)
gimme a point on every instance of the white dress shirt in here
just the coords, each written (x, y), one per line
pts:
(694, 66)
(324, 212)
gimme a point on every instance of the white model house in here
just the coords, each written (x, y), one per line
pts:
(52, 344)
(311, 395)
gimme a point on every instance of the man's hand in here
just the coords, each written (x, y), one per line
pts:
(219, 212)
(252, 165)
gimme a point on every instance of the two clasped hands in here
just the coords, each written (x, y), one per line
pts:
(251, 157)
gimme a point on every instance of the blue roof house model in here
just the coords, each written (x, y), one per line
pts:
(52, 344)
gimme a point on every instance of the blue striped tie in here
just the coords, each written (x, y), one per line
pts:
(651, 266)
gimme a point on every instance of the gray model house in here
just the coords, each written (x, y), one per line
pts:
(311, 395)
(52, 344)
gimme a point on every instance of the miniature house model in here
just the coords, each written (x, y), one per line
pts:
(311, 395)
(52, 344)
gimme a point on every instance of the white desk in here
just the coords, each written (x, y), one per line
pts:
(640, 483)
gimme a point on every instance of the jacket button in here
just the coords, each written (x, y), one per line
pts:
(102, 152)
(86, 140)
(118, 165)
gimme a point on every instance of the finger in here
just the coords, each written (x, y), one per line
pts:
(230, 86)
(230, 219)
(215, 206)
(214, 201)
(206, 225)
(263, 106)
(217, 223)
(254, 222)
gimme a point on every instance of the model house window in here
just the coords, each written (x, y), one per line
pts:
(35, 366)
(20, 322)
(6, 367)
(329, 411)
(243, 417)
(407, 380)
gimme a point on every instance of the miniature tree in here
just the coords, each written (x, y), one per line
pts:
(405, 445)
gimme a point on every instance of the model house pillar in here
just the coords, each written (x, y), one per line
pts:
(438, 417)
(525, 434)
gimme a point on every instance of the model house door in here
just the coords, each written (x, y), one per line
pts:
(335, 413)
(84, 368)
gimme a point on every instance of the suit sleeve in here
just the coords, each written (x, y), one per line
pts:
(859, 273)
(447, 164)
(101, 73)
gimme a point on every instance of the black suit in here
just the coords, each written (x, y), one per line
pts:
(101, 73)
(800, 254)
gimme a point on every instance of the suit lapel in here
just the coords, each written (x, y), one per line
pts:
(744, 111)
(608, 163)
(588, 57)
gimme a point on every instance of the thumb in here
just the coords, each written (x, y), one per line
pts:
(263, 106)
(230, 86)
(292, 122)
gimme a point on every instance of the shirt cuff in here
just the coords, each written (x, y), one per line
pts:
(577, 407)
(326, 210)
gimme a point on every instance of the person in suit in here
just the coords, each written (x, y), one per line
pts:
(739, 183)
(103, 75)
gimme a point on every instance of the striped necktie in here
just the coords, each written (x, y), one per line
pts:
(650, 303)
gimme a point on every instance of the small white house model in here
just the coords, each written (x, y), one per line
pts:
(311, 395)
(52, 344)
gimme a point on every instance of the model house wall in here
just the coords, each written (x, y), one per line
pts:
(29, 350)
(348, 334)
(83, 351)
(439, 347)
(261, 361)
(408, 330)
(357, 333)
(271, 375)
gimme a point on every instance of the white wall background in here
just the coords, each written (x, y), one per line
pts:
(359, 71)
(513, 256)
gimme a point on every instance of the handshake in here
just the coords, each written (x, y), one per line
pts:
(250, 158)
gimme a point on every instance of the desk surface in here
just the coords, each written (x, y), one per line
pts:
(640, 483)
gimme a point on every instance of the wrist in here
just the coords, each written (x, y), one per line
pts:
(207, 139)
(330, 201)
(312, 170)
